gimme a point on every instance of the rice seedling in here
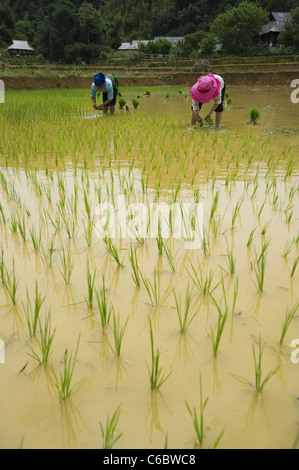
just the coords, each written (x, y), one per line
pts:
(32, 313)
(69, 223)
(112, 250)
(289, 217)
(205, 243)
(290, 166)
(87, 205)
(214, 205)
(11, 282)
(88, 232)
(259, 270)
(202, 283)
(118, 334)
(265, 227)
(217, 223)
(287, 249)
(258, 384)
(63, 382)
(47, 336)
(36, 238)
(294, 266)
(254, 190)
(254, 115)
(90, 286)
(13, 223)
(159, 238)
(198, 423)
(22, 227)
(250, 238)
(105, 309)
(109, 432)
(237, 210)
(2, 266)
(135, 267)
(2, 214)
(222, 316)
(290, 313)
(157, 377)
(47, 254)
(169, 256)
(236, 289)
(231, 262)
(153, 289)
(67, 265)
(183, 312)
(122, 102)
(135, 102)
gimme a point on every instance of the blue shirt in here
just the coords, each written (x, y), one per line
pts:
(107, 88)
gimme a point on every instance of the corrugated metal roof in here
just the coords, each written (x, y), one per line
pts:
(281, 15)
(20, 45)
(172, 39)
(273, 27)
(277, 25)
(127, 46)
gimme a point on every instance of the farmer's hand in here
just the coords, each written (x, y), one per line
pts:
(94, 106)
(208, 116)
(195, 117)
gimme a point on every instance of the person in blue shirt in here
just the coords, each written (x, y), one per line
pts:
(108, 85)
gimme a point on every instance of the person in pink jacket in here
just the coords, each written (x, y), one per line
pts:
(207, 88)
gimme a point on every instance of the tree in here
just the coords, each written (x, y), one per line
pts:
(7, 25)
(290, 36)
(238, 28)
(90, 24)
(208, 44)
(25, 30)
(57, 30)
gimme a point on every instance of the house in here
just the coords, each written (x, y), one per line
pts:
(270, 31)
(20, 48)
(131, 46)
(172, 39)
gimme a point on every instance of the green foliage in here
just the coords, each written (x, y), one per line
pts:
(66, 31)
(122, 102)
(135, 102)
(254, 115)
(208, 44)
(7, 25)
(290, 36)
(238, 27)
(160, 46)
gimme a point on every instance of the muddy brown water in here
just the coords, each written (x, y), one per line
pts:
(31, 413)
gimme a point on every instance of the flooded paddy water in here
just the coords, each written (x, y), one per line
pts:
(220, 316)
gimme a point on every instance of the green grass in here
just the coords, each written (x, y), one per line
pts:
(118, 334)
(33, 312)
(105, 309)
(46, 340)
(183, 312)
(222, 316)
(289, 315)
(156, 374)
(64, 380)
(258, 383)
(109, 431)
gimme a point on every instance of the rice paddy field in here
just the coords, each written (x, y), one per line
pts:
(118, 330)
